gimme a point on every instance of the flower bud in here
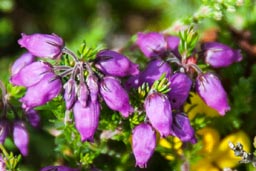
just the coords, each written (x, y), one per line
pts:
(86, 119)
(209, 88)
(159, 112)
(154, 70)
(152, 44)
(219, 55)
(143, 144)
(31, 74)
(70, 93)
(42, 92)
(115, 96)
(33, 117)
(4, 130)
(115, 64)
(180, 87)
(92, 83)
(24, 60)
(42, 45)
(58, 168)
(182, 129)
(83, 94)
(21, 137)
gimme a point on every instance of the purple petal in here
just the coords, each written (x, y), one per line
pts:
(83, 94)
(152, 44)
(49, 87)
(115, 96)
(143, 144)
(93, 85)
(21, 62)
(159, 112)
(154, 70)
(173, 44)
(33, 117)
(70, 93)
(86, 119)
(219, 55)
(115, 64)
(31, 74)
(180, 87)
(182, 128)
(42, 45)
(209, 88)
(21, 137)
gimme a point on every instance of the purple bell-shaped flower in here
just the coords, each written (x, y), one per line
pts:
(143, 144)
(182, 128)
(4, 130)
(173, 44)
(93, 85)
(209, 88)
(31, 74)
(180, 87)
(70, 93)
(58, 168)
(24, 60)
(158, 110)
(154, 70)
(152, 44)
(115, 96)
(220, 55)
(42, 45)
(42, 92)
(83, 94)
(115, 64)
(33, 117)
(86, 119)
(21, 137)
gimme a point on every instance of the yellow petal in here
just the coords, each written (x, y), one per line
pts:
(204, 165)
(225, 156)
(210, 139)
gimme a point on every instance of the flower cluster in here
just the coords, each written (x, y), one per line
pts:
(84, 84)
(164, 111)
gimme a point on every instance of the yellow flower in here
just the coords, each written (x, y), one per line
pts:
(216, 154)
(173, 143)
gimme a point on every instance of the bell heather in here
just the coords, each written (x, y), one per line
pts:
(83, 94)
(33, 117)
(158, 110)
(70, 93)
(31, 74)
(93, 85)
(180, 87)
(21, 137)
(143, 144)
(86, 119)
(42, 45)
(115, 64)
(49, 87)
(24, 60)
(220, 55)
(182, 128)
(209, 88)
(154, 70)
(115, 96)
(151, 44)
